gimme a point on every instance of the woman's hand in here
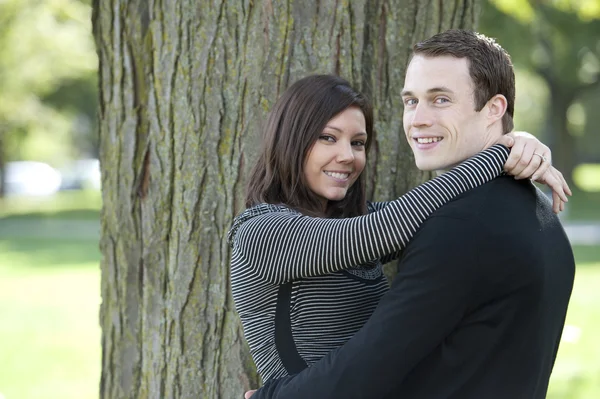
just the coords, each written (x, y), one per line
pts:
(553, 178)
(530, 158)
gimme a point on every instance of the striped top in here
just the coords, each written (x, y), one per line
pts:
(334, 265)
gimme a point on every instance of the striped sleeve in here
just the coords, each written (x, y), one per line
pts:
(281, 246)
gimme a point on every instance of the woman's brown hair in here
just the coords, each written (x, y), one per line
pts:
(294, 125)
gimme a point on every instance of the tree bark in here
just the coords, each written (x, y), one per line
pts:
(557, 127)
(184, 88)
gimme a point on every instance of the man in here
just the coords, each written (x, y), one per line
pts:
(478, 306)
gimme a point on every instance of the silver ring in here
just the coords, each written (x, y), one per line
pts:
(541, 156)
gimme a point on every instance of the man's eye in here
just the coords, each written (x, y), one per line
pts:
(410, 101)
(441, 100)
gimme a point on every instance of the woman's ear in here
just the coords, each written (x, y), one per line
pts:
(496, 108)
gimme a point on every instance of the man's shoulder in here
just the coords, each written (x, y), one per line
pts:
(505, 207)
(486, 208)
(476, 219)
(495, 196)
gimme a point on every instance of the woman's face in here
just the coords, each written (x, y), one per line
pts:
(338, 157)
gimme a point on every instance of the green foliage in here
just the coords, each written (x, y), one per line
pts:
(588, 177)
(524, 11)
(47, 73)
(558, 42)
(583, 206)
(554, 42)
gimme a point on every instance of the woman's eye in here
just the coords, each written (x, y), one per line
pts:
(327, 138)
(358, 143)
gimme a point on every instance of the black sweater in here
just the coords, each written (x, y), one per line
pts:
(476, 311)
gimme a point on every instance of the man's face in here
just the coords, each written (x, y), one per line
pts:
(440, 121)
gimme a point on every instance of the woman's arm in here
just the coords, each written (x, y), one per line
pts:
(281, 247)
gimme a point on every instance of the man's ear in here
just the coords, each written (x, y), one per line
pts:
(496, 108)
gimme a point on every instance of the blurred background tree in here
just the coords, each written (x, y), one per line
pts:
(555, 46)
(48, 69)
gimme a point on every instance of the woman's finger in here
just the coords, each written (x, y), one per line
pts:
(525, 156)
(535, 163)
(543, 167)
(515, 155)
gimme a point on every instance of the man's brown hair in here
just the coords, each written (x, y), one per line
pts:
(294, 125)
(490, 66)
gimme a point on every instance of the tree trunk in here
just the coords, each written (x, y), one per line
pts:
(184, 87)
(562, 142)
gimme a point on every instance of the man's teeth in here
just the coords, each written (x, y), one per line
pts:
(336, 175)
(427, 140)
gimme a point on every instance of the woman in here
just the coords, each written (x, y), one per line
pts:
(307, 254)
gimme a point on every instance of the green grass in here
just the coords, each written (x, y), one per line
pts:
(576, 373)
(49, 296)
(49, 331)
(64, 205)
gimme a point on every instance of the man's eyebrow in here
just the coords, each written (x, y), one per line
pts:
(441, 89)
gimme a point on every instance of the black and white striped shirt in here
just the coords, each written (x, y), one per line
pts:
(334, 265)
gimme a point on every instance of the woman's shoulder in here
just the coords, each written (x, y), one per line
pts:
(264, 208)
(375, 206)
(255, 211)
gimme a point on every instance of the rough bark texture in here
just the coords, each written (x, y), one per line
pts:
(184, 87)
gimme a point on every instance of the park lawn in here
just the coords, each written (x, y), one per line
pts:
(576, 373)
(49, 330)
(78, 205)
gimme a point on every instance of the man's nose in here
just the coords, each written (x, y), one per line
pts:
(421, 116)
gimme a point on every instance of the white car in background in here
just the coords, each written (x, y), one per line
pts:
(31, 178)
(81, 174)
